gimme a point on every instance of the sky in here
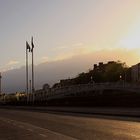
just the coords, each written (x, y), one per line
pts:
(63, 29)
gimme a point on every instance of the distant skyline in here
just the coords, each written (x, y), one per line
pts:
(63, 29)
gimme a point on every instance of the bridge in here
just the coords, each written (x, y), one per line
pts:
(92, 92)
(91, 88)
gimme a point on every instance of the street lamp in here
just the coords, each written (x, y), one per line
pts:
(91, 78)
(120, 77)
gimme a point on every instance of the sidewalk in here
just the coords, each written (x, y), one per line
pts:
(128, 112)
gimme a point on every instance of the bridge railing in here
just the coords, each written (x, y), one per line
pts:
(75, 89)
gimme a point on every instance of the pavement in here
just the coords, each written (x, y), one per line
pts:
(112, 111)
(27, 125)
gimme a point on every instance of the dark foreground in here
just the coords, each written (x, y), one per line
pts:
(27, 125)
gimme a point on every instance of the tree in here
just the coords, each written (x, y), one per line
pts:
(113, 71)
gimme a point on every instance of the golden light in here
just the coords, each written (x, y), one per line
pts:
(132, 39)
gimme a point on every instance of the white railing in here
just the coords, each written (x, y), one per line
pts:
(75, 89)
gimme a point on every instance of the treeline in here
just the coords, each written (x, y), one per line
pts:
(109, 72)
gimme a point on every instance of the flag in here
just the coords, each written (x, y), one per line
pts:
(28, 46)
(32, 44)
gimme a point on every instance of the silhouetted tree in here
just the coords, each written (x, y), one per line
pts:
(114, 70)
(109, 72)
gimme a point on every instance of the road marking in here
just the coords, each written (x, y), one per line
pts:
(37, 127)
(42, 135)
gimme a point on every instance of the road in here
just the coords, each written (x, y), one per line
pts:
(27, 125)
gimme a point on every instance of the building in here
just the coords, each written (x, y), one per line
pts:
(101, 66)
(135, 73)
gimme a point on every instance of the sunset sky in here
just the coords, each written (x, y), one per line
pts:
(63, 29)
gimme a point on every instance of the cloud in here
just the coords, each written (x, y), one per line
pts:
(44, 59)
(68, 46)
(52, 71)
(13, 62)
(130, 56)
(78, 44)
(9, 66)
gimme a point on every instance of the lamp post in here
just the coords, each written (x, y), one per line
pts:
(91, 79)
(121, 83)
(120, 77)
(125, 81)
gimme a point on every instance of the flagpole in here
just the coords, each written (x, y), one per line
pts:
(27, 72)
(30, 86)
(33, 74)
(32, 69)
(0, 84)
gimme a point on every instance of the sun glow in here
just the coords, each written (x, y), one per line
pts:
(132, 40)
